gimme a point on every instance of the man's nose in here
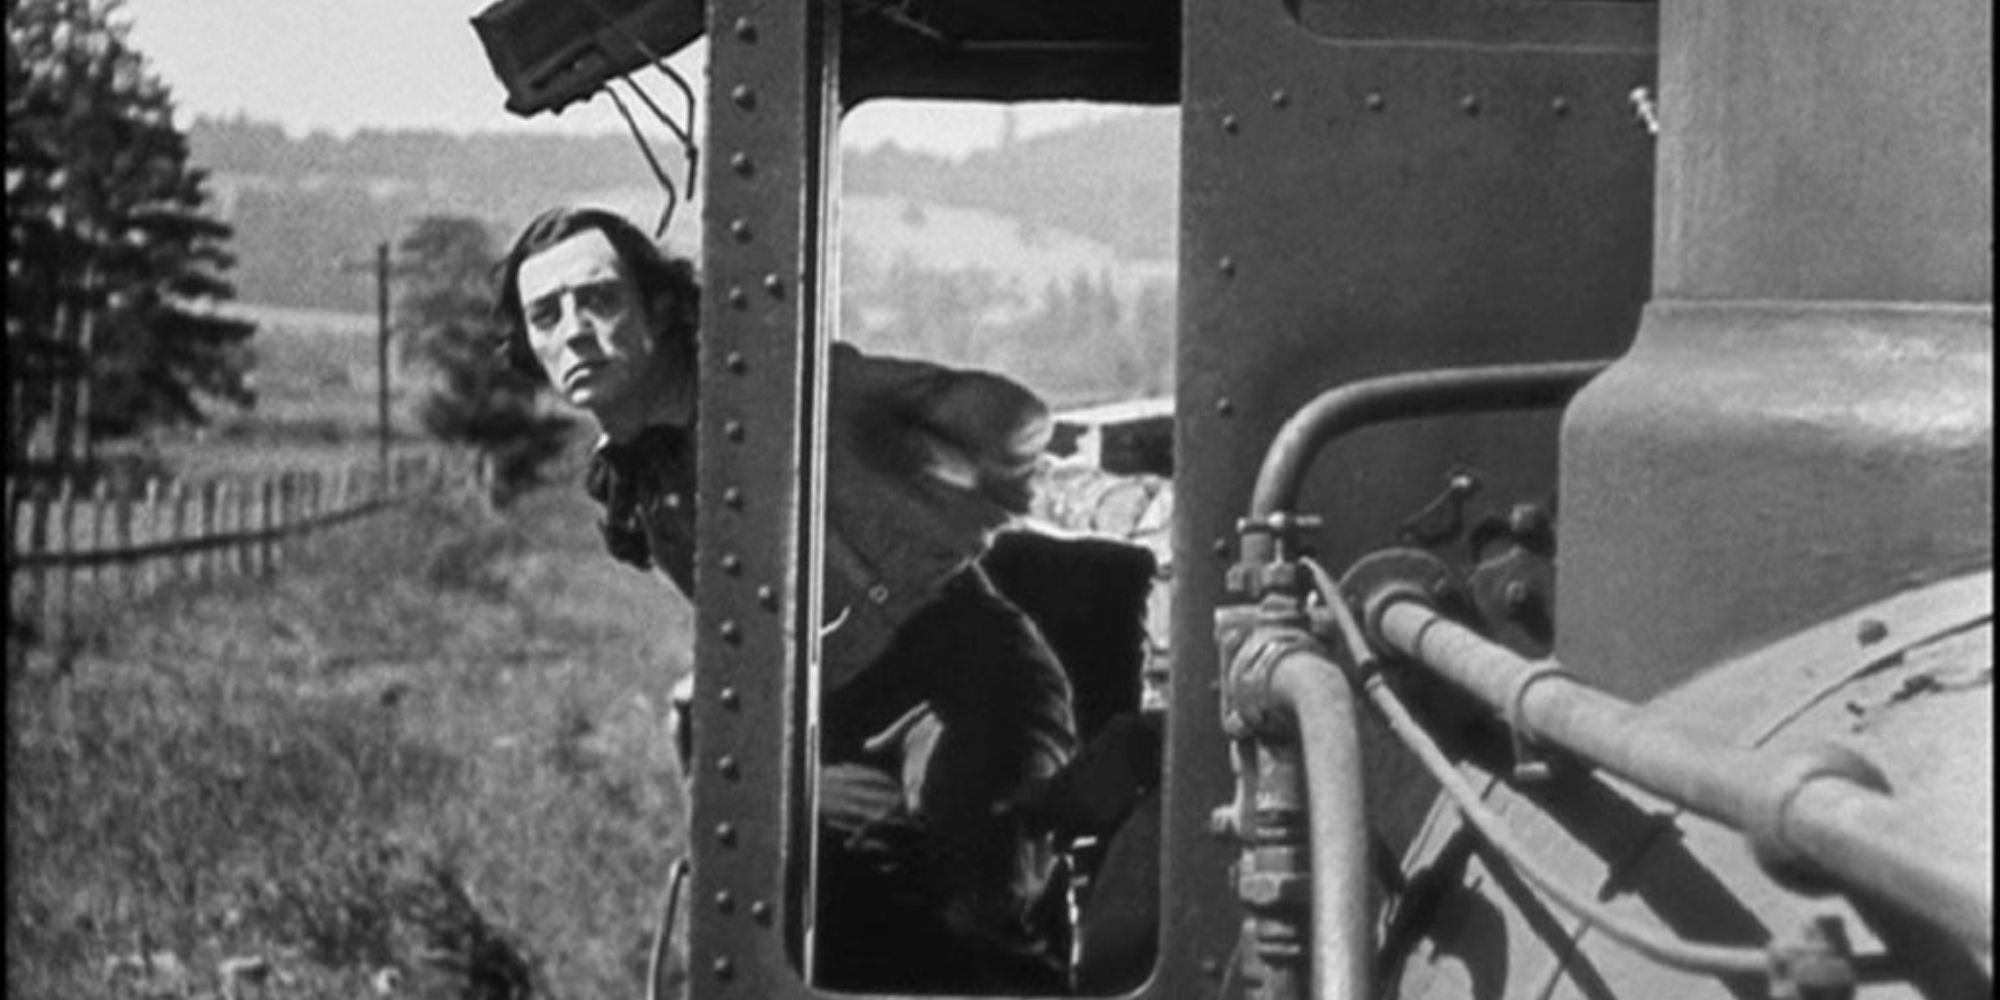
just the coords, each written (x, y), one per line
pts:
(574, 324)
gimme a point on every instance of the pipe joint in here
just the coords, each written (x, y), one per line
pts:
(1782, 860)
(1251, 704)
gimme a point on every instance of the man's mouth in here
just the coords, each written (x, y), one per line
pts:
(581, 372)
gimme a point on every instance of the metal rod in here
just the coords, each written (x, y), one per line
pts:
(1812, 809)
(1406, 396)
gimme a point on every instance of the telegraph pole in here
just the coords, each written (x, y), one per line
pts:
(382, 360)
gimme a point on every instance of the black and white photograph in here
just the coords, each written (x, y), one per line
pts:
(1140, 499)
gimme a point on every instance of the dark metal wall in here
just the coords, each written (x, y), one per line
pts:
(1456, 193)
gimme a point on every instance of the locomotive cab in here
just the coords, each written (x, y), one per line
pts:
(1684, 307)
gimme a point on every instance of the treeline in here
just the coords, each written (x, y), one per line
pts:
(1090, 339)
(1115, 181)
(300, 205)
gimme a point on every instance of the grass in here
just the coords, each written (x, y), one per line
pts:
(433, 750)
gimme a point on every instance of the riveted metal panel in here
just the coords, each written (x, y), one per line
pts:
(764, 211)
(1354, 206)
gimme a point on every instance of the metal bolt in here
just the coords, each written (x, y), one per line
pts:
(767, 596)
(742, 96)
(724, 968)
(1872, 631)
(732, 498)
(1280, 98)
(740, 228)
(741, 163)
(725, 834)
(738, 297)
(733, 430)
(1227, 265)
(725, 901)
(735, 363)
(774, 285)
(1524, 519)
(1224, 407)
(728, 768)
(731, 699)
(731, 632)
(1469, 104)
(1375, 102)
(1229, 124)
(1560, 106)
(731, 563)
(746, 30)
(760, 911)
(1220, 547)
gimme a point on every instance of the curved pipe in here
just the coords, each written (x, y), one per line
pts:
(1438, 392)
(1321, 700)
(1810, 812)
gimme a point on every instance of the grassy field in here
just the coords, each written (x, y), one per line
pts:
(428, 759)
(434, 750)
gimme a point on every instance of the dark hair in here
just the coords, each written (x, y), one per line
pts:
(672, 297)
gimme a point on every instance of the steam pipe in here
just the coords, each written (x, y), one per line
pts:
(1284, 687)
(1318, 694)
(1820, 812)
(1406, 396)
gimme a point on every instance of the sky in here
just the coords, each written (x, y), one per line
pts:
(339, 65)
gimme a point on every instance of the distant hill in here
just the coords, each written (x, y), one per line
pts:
(309, 210)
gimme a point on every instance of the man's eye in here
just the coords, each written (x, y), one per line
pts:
(543, 314)
(601, 300)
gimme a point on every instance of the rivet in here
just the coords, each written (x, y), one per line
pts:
(731, 632)
(1872, 631)
(731, 563)
(1227, 266)
(1211, 968)
(1220, 546)
(1469, 104)
(1229, 124)
(1224, 407)
(731, 699)
(774, 285)
(724, 968)
(740, 228)
(742, 96)
(733, 430)
(740, 162)
(746, 30)
(727, 767)
(760, 911)
(732, 498)
(1375, 102)
(735, 363)
(725, 834)
(1280, 98)
(725, 901)
(767, 596)
(1560, 106)
(738, 297)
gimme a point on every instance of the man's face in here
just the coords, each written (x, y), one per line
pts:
(588, 324)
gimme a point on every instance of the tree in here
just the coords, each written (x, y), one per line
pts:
(114, 266)
(444, 309)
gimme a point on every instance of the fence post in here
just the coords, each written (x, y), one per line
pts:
(149, 516)
(267, 490)
(181, 561)
(211, 558)
(65, 545)
(127, 570)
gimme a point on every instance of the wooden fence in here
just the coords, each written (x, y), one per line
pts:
(69, 553)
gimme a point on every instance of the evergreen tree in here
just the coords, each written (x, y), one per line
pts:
(444, 308)
(114, 267)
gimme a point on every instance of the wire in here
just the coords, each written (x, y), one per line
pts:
(1661, 948)
(659, 172)
(663, 934)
